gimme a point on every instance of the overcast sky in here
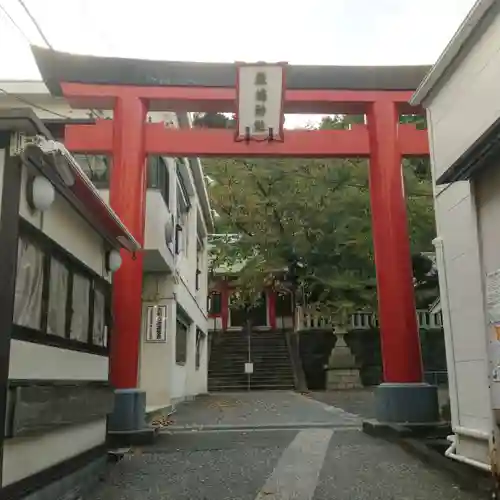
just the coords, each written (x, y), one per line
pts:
(298, 31)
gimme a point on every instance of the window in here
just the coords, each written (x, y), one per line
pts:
(200, 339)
(214, 303)
(96, 167)
(29, 284)
(58, 300)
(58, 292)
(99, 329)
(158, 177)
(79, 328)
(181, 337)
(183, 207)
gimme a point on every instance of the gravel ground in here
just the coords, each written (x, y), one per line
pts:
(359, 467)
(334, 463)
(235, 466)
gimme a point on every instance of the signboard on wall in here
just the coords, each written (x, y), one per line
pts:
(260, 95)
(156, 323)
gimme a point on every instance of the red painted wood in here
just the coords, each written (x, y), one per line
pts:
(128, 199)
(401, 354)
(271, 308)
(166, 98)
(224, 299)
(98, 138)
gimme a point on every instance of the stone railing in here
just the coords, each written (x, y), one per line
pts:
(365, 320)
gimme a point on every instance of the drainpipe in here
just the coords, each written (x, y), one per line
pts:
(450, 453)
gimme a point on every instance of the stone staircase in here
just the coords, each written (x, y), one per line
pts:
(272, 368)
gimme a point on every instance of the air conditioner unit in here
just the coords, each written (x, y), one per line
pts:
(156, 324)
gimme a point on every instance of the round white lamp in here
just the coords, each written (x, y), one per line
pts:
(41, 193)
(114, 260)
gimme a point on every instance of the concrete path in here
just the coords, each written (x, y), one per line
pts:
(272, 409)
(272, 446)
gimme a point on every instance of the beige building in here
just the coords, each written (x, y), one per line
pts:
(462, 101)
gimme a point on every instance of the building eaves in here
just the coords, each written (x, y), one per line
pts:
(480, 14)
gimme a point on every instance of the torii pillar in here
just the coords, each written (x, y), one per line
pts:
(403, 397)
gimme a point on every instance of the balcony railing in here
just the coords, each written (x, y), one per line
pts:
(365, 320)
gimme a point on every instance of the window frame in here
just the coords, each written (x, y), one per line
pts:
(51, 249)
(158, 177)
(102, 183)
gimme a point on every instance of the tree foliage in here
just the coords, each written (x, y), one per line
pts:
(316, 212)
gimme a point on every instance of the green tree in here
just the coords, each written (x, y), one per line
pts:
(316, 212)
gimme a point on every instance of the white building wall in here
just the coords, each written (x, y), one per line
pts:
(155, 364)
(41, 362)
(469, 101)
(458, 113)
(67, 228)
(24, 457)
(157, 216)
(31, 361)
(464, 321)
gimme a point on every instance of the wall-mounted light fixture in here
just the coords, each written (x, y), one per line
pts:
(113, 260)
(40, 193)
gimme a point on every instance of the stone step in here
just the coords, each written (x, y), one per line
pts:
(255, 360)
(257, 369)
(240, 367)
(270, 357)
(241, 388)
(253, 353)
(244, 378)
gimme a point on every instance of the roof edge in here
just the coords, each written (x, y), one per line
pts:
(480, 10)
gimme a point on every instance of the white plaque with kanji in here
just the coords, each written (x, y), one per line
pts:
(260, 97)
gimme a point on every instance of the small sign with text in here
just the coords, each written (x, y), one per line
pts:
(260, 91)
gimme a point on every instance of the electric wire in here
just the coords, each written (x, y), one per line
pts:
(42, 34)
(11, 19)
(35, 22)
(34, 105)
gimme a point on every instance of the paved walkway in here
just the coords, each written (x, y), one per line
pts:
(258, 410)
(270, 446)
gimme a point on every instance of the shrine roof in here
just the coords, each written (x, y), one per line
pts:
(57, 67)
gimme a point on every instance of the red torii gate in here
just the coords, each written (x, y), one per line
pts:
(133, 87)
